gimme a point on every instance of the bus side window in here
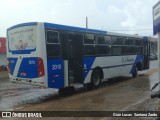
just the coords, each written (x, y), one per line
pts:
(129, 41)
(53, 50)
(138, 45)
(52, 37)
(89, 39)
(117, 43)
(89, 45)
(128, 50)
(114, 40)
(103, 47)
(117, 50)
(53, 45)
(120, 40)
(138, 42)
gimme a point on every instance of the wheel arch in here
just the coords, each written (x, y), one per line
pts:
(100, 70)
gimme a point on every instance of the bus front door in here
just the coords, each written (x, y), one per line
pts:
(146, 53)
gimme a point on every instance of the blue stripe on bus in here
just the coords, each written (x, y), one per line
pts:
(28, 68)
(137, 60)
(88, 62)
(12, 64)
(115, 66)
(22, 51)
(22, 25)
(55, 73)
(64, 27)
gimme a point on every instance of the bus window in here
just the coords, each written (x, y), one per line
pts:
(22, 38)
(103, 50)
(89, 39)
(138, 42)
(53, 50)
(107, 39)
(117, 40)
(104, 40)
(52, 37)
(120, 40)
(53, 46)
(89, 50)
(114, 40)
(128, 50)
(128, 41)
(101, 40)
(116, 50)
(103, 47)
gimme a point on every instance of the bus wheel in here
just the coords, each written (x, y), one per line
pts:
(135, 73)
(95, 78)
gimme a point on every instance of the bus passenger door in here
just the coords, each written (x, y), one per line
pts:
(55, 66)
(72, 51)
(146, 53)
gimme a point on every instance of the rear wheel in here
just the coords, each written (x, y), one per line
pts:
(135, 73)
(95, 78)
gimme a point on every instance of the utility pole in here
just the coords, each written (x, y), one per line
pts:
(86, 22)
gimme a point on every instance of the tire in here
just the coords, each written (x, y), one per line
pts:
(135, 73)
(95, 78)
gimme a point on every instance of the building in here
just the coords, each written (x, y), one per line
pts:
(154, 45)
(3, 57)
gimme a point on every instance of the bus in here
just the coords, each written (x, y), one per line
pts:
(60, 56)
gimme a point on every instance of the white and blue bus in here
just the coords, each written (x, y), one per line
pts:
(59, 56)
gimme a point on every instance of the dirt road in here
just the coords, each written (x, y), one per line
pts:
(120, 94)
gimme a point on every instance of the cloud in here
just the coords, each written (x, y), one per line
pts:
(132, 15)
(106, 14)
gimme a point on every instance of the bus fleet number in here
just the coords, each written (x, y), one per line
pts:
(56, 67)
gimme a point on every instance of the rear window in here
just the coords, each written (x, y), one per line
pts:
(22, 38)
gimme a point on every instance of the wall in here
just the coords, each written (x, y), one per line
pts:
(2, 45)
(3, 57)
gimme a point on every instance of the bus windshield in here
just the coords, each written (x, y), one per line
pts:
(22, 38)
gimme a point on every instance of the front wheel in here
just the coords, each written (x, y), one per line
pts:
(135, 73)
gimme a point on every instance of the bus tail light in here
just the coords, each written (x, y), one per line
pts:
(41, 71)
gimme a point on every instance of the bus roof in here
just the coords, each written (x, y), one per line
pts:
(58, 26)
(23, 24)
(71, 28)
(123, 35)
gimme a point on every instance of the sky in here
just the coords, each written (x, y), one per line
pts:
(123, 16)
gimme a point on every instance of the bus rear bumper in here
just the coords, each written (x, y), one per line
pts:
(35, 81)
